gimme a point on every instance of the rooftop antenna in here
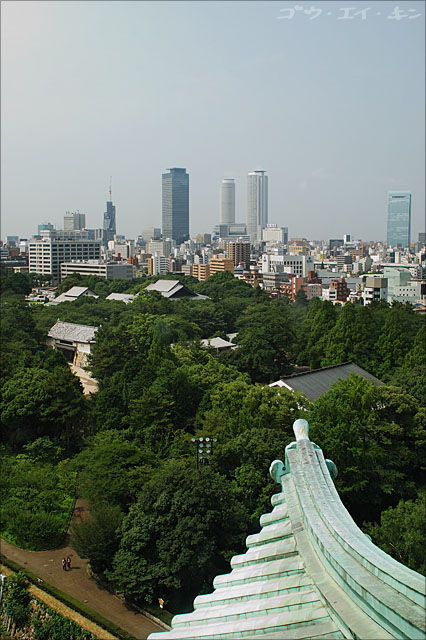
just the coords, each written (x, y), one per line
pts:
(110, 188)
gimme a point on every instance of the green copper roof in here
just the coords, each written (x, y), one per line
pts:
(310, 572)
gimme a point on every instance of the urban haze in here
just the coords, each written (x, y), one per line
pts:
(330, 105)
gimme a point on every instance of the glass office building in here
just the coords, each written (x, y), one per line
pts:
(399, 219)
(110, 228)
(175, 187)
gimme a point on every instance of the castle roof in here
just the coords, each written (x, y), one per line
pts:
(310, 572)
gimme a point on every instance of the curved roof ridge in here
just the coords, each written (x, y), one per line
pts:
(305, 575)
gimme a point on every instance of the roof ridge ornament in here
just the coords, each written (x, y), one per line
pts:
(301, 429)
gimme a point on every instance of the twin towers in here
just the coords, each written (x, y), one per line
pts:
(257, 203)
(175, 204)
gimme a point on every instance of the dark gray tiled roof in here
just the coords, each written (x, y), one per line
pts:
(72, 332)
(315, 383)
(173, 289)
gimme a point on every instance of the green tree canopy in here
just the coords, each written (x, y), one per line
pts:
(97, 537)
(411, 375)
(371, 434)
(401, 532)
(36, 403)
(184, 528)
(113, 468)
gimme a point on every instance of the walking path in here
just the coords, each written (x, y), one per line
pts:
(90, 385)
(77, 583)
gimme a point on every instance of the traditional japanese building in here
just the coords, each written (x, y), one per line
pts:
(310, 573)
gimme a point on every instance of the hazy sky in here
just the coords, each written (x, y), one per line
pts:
(331, 104)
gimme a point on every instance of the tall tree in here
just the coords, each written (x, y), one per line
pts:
(265, 340)
(341, 340)
(38, 403)
(372, 435)
(184, 528)
(411, 375)
(401, 532)
(97, 537)
(319, 320)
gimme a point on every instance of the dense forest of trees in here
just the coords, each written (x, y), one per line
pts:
(159, 527)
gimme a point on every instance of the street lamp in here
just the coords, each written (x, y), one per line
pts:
(203, 449)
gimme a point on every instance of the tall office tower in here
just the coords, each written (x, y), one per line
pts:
(399, 219)
(175, 191)
(74, 221)
(110, 225)
(257, 205)
(227, 201)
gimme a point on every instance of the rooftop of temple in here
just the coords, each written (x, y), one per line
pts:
(315, 383)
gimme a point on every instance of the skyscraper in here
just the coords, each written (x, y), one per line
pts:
(175, 191)
(399, 219)
(110, 227)
(257, 204)
(227, 201)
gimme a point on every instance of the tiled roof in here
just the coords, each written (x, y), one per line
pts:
(315, 383)
(124, 297)
(76, 292)
(218, 343)
(173, 289)
(72, 332)
(72, 294)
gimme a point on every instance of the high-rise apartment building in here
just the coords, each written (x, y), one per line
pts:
(74, 221)
(175, 192)
(399, 219)
(227, 201)
(239, 253)
(257, 205)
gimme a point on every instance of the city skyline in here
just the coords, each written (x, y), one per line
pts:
(318, 102)
(227, 204)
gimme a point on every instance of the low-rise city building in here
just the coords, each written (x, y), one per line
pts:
(103, 269)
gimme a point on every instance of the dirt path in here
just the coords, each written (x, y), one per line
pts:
(77, 583)
(90, 385)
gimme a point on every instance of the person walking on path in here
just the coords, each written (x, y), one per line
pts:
(77, 583)
(69, 563)
(64, 564)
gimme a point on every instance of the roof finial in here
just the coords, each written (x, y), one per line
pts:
(301, 429)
